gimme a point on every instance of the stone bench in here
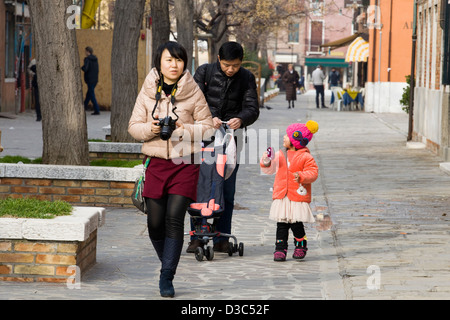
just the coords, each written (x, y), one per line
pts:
(78, 185)
(115, 150)
(49, 250)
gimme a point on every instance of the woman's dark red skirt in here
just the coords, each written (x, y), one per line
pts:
(164, 177)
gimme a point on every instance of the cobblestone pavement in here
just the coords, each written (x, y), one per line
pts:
(382, 231)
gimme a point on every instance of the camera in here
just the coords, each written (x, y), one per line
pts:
(167, 126)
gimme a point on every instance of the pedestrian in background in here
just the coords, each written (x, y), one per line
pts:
(172, 176)
(232, 98)
(91, 69)
(291, 82)
(295, 170)
(302, 84)
(318, 77)
(34, 84)
(334, 79)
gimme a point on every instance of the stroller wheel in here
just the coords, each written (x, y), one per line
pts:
(230, 249)
(199, 254)
(209, 253)
(241, 249)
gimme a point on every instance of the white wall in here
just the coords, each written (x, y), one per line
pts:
(384, 97)
(428, 114)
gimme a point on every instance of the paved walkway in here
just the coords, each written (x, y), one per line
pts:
(381, 233)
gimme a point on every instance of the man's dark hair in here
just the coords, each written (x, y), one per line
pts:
(90, 50)
(231, 51)
(175, 49)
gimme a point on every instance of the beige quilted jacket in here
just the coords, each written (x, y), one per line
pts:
(193, 112)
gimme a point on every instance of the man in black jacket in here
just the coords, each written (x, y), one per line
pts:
(90, 69)
(230, 91)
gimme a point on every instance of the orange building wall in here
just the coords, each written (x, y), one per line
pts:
(396, 40)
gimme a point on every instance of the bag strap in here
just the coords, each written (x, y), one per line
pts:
(147, 162)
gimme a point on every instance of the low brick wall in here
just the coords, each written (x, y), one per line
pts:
(54, 250)
(78, 185)
(46, 261)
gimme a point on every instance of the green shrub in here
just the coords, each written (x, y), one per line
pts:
(115, 163)
(96, 163)
(406, 95)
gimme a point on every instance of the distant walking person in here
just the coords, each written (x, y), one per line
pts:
(318, 77)
(90, 69)
(334, 78)
(290, 79)
(34, 84)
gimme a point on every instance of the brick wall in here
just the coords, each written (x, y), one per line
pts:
(76, 192)
(46, 261)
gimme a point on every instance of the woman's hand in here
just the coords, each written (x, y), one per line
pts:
(179, 125)
(156, 129)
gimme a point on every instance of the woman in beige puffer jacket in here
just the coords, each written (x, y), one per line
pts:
(171, 177)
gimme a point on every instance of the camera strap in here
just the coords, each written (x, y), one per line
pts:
(158, 95)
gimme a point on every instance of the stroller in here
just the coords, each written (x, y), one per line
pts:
(214, 169)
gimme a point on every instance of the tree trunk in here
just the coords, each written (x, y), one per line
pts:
(184, 11)
(220, 36)
(124, 73)
(219, 29)
(160, 23)
(64, 128)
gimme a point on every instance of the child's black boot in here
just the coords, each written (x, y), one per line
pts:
(300, 248)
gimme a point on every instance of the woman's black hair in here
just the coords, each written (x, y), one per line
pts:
(231, 51)
(175, 49)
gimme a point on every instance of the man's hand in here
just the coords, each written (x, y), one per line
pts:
(234, 123)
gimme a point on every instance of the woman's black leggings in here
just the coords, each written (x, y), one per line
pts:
(165, 216)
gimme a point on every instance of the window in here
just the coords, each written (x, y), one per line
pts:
(316, 7)
(316, 39)
(293, 33)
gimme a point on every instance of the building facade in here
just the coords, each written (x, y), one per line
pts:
(431, 113)
(302, 42)
(15, 55)
(390, 26)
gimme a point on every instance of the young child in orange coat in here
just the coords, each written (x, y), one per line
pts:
(295, 170)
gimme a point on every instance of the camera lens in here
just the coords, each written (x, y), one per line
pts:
(166, 128)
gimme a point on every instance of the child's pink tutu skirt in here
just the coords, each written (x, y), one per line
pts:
(287, 211)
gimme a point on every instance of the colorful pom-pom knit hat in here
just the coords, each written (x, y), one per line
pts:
(300, 134)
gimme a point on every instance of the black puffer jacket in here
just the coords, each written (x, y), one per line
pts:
(90, 69)
(228, 98)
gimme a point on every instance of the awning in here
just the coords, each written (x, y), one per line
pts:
(327, 62)
(341, 42)
(358, 51)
